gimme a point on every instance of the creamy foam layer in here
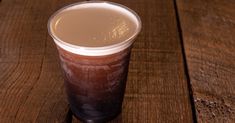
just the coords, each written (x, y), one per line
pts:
(94, 28)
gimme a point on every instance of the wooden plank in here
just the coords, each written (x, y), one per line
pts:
(208, 28)
(156, 88)
(31, 84)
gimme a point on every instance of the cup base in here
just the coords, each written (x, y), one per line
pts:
(103, 119)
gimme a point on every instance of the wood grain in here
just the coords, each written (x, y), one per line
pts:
(31, 84)
(208, 28)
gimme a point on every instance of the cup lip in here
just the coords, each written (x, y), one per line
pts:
(62, 43)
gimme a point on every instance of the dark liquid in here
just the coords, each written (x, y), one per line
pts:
(95, 85)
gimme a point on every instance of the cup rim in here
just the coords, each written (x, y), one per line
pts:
(103, 49)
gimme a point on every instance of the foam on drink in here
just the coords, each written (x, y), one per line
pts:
(94, 29)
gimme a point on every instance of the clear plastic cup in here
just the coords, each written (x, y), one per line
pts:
(95, 77)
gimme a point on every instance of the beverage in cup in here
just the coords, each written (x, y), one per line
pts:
(94, 41)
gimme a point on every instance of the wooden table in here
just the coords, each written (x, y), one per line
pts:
(182, 67)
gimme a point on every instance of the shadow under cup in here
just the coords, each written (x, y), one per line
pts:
(95, 77)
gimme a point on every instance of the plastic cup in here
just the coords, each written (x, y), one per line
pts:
(95, 77)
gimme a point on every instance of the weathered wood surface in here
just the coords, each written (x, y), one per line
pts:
(31, 83)
(208, 28)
